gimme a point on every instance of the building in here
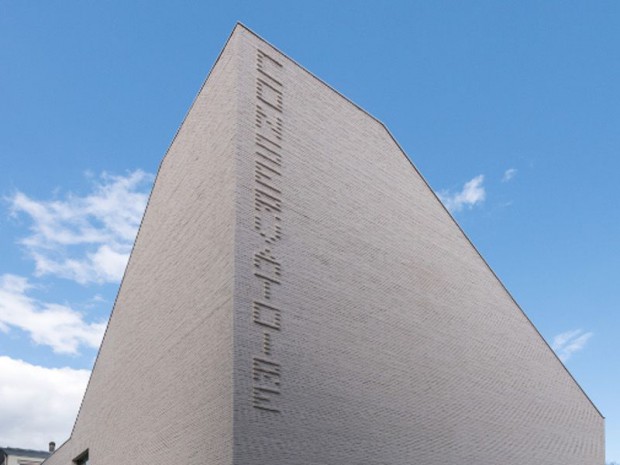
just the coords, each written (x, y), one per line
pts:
(297, 294)
(15, 456)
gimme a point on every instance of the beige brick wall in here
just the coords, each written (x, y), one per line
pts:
(396, 344)
(161, 390)
(298, 295)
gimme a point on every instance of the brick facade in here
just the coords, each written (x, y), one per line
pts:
(298, 295)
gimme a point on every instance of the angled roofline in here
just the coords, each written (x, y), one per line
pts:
(391, 136)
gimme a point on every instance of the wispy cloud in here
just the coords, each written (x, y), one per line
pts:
(566, 344)
(38, 404)
(509, 174)
(85, 238)
(55, 325)
(472, 193)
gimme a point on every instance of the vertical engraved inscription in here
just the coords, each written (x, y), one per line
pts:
(267, 270)
(266, 311)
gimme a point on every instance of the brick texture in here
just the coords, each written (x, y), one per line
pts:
(161, 390)
(298, 295)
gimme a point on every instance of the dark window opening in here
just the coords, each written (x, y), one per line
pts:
(81, 459)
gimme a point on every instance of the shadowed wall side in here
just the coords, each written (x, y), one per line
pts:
(367, 327)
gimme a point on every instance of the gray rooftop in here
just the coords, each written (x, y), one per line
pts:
(24, 452)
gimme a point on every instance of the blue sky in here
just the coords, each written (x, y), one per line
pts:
(511, 110)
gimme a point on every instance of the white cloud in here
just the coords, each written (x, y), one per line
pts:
(473, 193)
(86, 238)
(566, 344)
(38, 404)
(509, 174)
(54, 325)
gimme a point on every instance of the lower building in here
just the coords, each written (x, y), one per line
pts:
(15, 456)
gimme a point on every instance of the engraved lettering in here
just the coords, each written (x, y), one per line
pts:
(268, 120)
(268, 226)
(266, 343)
(269, 94)
(266, 177)
(266, 315)
(268, 205)
(271, 200)
(269, 155)
(266, 373)
(268, 67)
(267, 270)
(267, 143)
(262, 398)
